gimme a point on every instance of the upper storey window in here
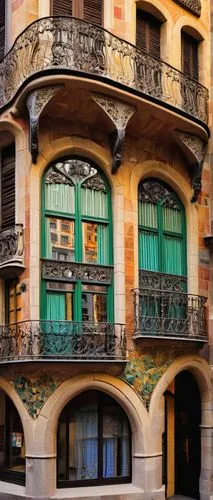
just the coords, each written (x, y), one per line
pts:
(190, 64)
(8, 186)
(2, 28)
(162, 244)
(148, 33)
(88, 10)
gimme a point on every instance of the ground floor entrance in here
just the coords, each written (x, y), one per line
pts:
(182, 440)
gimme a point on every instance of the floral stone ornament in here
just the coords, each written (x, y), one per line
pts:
(34, 393)
(144, 371)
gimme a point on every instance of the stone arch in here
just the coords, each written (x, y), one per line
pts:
(27, 422)
(200, 369)
(168, 174)
(116, 388)
(201, 372)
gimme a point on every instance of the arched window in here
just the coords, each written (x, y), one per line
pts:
(88, 10)
(161, 308)
(77, 228)
(12, 445)
(162, 242)
(93, 441)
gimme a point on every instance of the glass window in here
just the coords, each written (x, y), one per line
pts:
(162, 241)
(93, 441)
(12, 445)
(77, 228)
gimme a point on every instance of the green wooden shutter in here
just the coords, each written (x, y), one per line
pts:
(61, 8)
(2, 29)
(93, 11)
(148, 33)
(8, 187)
(190, 66)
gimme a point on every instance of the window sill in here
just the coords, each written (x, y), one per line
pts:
(112, 490)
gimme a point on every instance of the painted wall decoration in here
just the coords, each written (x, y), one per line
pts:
(34, 393)
(144, 371)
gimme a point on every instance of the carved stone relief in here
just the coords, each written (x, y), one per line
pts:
(75, 271)
(195, 150)
(194, 6)
(119, 113)
(36, 103)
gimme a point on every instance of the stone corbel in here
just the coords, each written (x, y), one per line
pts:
(194, 149)
(36, 103)
(119, 113)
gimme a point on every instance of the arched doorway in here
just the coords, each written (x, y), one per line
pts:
(182, 440)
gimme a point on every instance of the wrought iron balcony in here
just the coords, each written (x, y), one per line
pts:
(11, 250)
(62, 340)
(165, 310)
(68, 45)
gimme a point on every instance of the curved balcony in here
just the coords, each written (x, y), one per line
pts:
(164, 310)
(65, 45)
(11, 251)
(62, 341)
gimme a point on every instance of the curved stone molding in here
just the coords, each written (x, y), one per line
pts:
(36, 102)
(52, 269)
(119, 113)
(193, 6)
(195, 150)
(34, 393)
(144, 371)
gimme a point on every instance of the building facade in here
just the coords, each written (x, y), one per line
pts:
(105, 249)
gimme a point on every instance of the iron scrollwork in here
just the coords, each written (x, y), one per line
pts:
(164, 309)
(64, 340)
(57, 43)
(74, 271)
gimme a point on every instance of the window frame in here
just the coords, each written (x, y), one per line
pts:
(65, 483)
(161, 232)
(79, 220)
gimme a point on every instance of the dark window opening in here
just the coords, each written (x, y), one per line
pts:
(93, 442)
(190, 63)
(148, 33)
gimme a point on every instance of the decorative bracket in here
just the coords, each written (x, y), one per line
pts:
(119, 113)
(194, 149)
(36, 103)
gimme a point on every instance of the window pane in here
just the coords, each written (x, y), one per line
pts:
(95, 243)
(59, 197)
(59, 306)
(173, 255)
(94, 307)
(83, 443)
(147, 214)
(16, 457)
(94, 203)
(148, 251)
(115, 443)
(172, 220)
(94, 288)
(60, 239)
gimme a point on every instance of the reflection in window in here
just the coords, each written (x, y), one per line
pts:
(12, 445)
(60, 241)
(93, 440)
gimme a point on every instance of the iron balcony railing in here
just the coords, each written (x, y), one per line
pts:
(11, 246)
(65, 44)
(164, 309)
(62, 340)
